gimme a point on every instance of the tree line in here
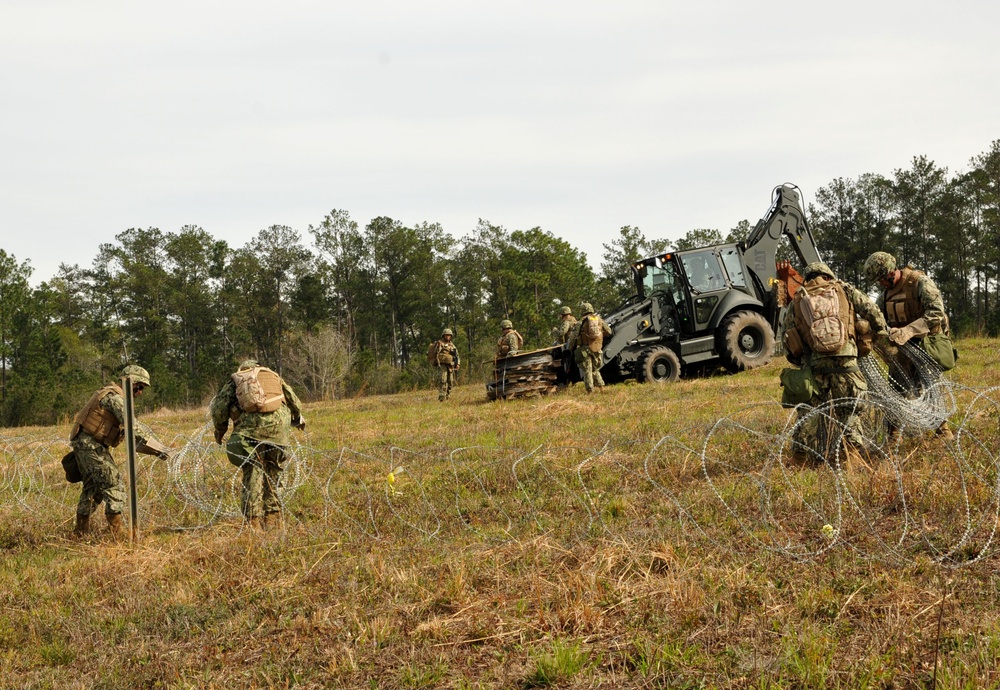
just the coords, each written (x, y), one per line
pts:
(347, 310)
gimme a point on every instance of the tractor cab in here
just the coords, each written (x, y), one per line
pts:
(696, 281)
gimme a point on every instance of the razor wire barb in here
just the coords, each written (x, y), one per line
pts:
(729, 484)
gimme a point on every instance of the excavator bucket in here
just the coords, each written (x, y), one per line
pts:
(788, 281)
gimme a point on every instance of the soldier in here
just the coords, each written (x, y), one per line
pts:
(263, 409)
(444, 355)
(586, 342)
(561, 333)
(915, 313)
(97, 428)
(819, 336)
(510, 342)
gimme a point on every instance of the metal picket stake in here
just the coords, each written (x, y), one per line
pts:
(133, 498)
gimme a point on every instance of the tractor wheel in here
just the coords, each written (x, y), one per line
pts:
(745, 341)
(659, 365)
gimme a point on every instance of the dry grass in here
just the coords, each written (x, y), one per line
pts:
(648, 600)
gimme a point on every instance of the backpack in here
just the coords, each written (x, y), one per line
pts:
(258, 390)
(432, 354)
(823, 315)
(591, 333)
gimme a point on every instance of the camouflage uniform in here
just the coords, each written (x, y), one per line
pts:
(258, 445)
(102, 480)
(510, 342)
(927, 303)
(836, 375)
(589, 359)
(447, 361)
(914, 297)
(561, 333)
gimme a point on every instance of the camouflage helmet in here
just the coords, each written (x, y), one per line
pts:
(248, 364)
(879, 265)
(447, 331)
(138, 374)
(506, 324)
(565, 311)
(586, 308)
(818, 268)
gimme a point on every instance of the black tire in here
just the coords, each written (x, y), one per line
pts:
(658, 365)
(745, 341)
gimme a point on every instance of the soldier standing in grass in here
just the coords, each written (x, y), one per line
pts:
(915, 314)
(444, 356)
(97, 428)
(263, 409)
(586, 342)
(510, 342)
(820, 338)
(561, 333)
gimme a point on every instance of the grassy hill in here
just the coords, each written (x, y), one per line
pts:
(640, 537)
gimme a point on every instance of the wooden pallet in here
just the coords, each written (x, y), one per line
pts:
(524, 375)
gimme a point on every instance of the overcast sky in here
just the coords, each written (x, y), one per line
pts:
(578, 117)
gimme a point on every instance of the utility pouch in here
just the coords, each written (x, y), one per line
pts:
(863, 337)
(793, 342)
(941, 350)
(71, 469)
(797, 386)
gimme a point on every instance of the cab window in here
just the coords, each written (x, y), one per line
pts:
(734, 267)
(703, 271)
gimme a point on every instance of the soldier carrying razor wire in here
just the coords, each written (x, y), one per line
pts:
(263, 409)
(914, 311)
(823, 329)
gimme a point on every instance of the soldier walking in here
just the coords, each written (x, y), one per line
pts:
(97, 428)
(586, 342)
(444, 356)
(263, 409)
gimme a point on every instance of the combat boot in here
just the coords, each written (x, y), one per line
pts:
(116, 525)
(254, 523)
(82, 525)
(944, 431)
(272, 520)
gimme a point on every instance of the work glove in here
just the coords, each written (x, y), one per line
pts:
(917, 329)
(219, 433)
(900, 336)
(885, 346)
(165, 454)
(300, 423)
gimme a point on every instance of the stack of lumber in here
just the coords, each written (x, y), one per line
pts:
(525, 374)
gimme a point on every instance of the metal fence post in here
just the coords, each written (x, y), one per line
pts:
(133, 498)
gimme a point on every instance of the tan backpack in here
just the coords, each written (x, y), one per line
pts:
(823, 315)
(591, 333)
(258, 390)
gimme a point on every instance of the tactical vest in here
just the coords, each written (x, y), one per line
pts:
(443, 354)
(566, 328)
(503, 349)
(258, 390)
(591, 333)
(902, 306)
(100, 422)
(825, 333)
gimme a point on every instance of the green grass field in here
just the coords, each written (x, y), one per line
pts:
(622, 539)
